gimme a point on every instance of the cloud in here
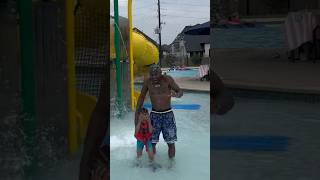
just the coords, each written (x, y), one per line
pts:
(176, 14)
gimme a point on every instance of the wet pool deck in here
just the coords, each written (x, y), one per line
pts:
(193, 84)
(267, 70)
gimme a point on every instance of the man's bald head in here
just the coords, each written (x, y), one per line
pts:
(154, 68)
(155, 73)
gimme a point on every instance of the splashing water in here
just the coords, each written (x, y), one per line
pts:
(192, 159)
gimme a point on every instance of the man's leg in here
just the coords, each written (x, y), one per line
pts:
(169, 133)
(171, 150)
(150, 151)
(156, 125)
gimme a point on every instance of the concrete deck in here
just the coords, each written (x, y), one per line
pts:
(266, 69)
(193, 84)
(188, 84)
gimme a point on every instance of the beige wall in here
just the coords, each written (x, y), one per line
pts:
(206, 50)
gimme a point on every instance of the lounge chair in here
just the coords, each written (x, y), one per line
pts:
(204, 72)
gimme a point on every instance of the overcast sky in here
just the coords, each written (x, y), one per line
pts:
(176, 14)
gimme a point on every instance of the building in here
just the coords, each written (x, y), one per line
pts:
(165, 49)
(192, 41)
(177, 47)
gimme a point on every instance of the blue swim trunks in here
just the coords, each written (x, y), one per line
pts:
(164, 122)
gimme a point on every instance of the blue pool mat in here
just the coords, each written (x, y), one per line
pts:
(179, 106)
(250, 143)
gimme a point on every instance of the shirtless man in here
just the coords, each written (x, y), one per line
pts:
(161, 88)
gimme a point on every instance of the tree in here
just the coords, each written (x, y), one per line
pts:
(170, 60)
(196, 59)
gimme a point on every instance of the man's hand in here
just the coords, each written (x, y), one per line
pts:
(179, 94)
(173, 94)
(176, 94)
(175, 89)
(148, 119)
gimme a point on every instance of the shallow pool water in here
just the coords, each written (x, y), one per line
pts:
(192, 148)
(269, 36)
(299, 121)
(183, 73)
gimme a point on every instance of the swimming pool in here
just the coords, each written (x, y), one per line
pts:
(254, 116)
(268, 36)
(194, 72)
(192, 148)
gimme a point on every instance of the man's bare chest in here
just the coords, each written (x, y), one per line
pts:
(158, 89)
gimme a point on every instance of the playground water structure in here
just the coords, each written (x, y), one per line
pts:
(58, 121)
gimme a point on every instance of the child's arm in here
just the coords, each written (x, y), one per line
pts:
(137, 128)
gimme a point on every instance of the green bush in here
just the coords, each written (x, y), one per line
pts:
(169, 60)
(196, 59)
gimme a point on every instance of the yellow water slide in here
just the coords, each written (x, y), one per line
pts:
(145, 52)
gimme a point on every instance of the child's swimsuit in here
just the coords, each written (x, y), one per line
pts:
(143, 137)
(163, 121)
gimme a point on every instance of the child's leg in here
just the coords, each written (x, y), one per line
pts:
(139, 153)
(139, 148)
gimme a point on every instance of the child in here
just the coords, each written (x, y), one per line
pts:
(143, 134)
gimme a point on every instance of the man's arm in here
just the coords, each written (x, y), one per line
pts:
(175, 87)
(143, 94)
(222, 101)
